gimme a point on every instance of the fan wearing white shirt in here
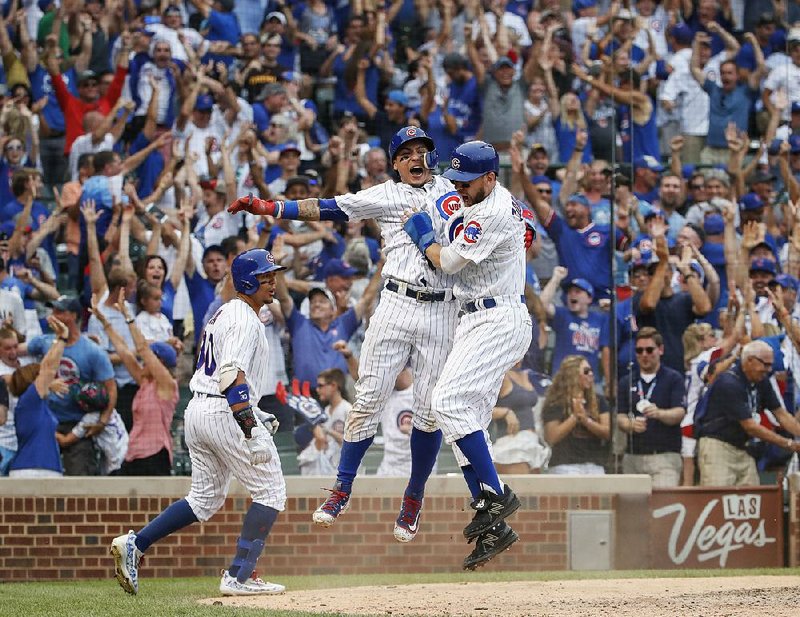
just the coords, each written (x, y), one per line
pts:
(152, 323)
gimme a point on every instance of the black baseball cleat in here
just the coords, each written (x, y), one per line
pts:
(490, 510)
(490, 544)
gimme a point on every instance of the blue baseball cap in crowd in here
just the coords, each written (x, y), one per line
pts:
(66, 303)
(289, 146)
(579, 199)
(204, 103)
(292, 76)
(579, 5)
(337, 267)
(648, 162)
(787, 281)
(503, 61)
(698, 269)
(795, 107)
(583, 285)
(794, 144)
(540, 180)
(399, 97)
(682, 34)
(165, 352)
(687, 170)
(714, 224)
(750, 201)
(762, 264)
(654, 212)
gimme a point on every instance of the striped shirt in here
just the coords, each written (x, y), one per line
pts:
(386, 203)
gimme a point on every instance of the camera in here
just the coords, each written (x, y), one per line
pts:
(595, 68)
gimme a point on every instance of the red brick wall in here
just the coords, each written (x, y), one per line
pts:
(67, 537)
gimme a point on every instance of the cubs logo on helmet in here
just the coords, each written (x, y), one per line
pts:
(455, 163)
(472, 232)
(411, 131)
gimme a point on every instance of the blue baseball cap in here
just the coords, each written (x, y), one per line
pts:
(540, 180)
(66, 303)
(165, 353)
(583, 285)
(654, 212)
(787, 281)
(337, 267)
(714, 224)
(648, 162)
(289, 146)
(292, 76)
(698, 269)
(794, 144)
(503, 61)
(399, 97)
(682, 34)
(579, 5)
(204, 103)
(579, 198)
(762, 264)
(750, 201)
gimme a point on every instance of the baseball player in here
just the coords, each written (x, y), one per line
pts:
(414, 320)
(226, 435)
(493, 333)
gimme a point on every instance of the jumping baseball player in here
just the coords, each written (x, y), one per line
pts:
(226, 435)
(493, 333)
(414, 320)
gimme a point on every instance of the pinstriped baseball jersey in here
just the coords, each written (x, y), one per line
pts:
(492, 239)
(386, 203)
(234, 335)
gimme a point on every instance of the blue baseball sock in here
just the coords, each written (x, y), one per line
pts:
(471, 478)
(352, 454)
(424, 450)
(477, 452)
(256, 526)
(175, 517)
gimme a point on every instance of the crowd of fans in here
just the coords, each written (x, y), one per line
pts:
(660, 136)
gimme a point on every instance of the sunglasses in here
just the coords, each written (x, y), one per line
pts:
(545, 190)
(697, 187)
(763, 362)
(587, 371)
(647, 350)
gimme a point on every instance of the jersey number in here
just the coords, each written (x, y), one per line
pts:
(206, 356)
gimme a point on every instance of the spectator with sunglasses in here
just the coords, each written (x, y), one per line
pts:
(650, 411)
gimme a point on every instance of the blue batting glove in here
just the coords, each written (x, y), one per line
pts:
(420, 228)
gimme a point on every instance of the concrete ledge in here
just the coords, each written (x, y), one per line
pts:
(297, 486)
(794, 482)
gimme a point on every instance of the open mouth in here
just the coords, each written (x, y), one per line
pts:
(417, 172)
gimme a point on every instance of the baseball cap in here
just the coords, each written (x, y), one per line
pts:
(714, 224)
(66, 303)
(399, 97)
(762, 264)
(220, 187)
(172, 9)
(271, 90)
(787, 281)
(541, 180)
(766, 18)
(582, 284)
(204, 103)
(681, 33)
(654, 212)
(750, 201)
(793, 36)
(338, 267)
(277, 15)
(579, 5)
(292, 76)
(624, 14)
(357, 255)
(145, 31)
(86, 76)
(649, 162)
(165, 352)
(503, 61)
(579, 198)
(454, 60)
(761, 176)
(795, 107)
(698, 269)
(325, 292)
(313, 176)
(289, 146)
(92, 396)
(295, 180)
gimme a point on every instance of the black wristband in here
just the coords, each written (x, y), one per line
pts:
(246, 420)
(63, 340)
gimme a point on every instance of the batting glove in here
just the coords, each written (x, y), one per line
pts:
(258, 446)
(420, 229)
(530, 226)
(254, 205)
(269, 421)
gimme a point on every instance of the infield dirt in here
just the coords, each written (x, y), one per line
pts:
(657, 597)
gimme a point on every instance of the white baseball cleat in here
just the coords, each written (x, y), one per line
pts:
(126, 561)
(229, 586)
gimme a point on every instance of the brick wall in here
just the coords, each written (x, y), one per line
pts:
(793, 531)
(66, 534)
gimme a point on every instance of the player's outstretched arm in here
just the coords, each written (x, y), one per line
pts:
(311, 209)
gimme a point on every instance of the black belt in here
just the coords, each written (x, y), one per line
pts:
(651, 451)
(484, 303)
(206, 395)
(55, 135)
(418, 295)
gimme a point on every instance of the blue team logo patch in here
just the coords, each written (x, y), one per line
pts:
(456, 227)
(448, 204)
(472, 232)
(594, 238)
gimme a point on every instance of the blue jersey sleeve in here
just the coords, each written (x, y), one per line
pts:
(604, 334)
(347, 323)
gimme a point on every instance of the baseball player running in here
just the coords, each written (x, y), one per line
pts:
(493, 333)
(225, 435)
(415, 320)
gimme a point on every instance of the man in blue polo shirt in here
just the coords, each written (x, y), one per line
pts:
(650, 412)
(313, 337)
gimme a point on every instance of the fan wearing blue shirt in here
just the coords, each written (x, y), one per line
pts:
(578, 329)
(219, 24)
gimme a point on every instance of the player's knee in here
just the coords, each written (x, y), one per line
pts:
(424, 423)
(204, 507)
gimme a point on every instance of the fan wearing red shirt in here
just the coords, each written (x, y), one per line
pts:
(88, 99)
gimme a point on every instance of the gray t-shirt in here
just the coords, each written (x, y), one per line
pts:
(503, 111)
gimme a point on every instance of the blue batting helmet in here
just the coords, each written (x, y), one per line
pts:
(247, 265)
(92, 396)
(409, 133)
(472, 160)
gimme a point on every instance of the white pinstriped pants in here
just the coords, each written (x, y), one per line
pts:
(401, 329)
(217, 450)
